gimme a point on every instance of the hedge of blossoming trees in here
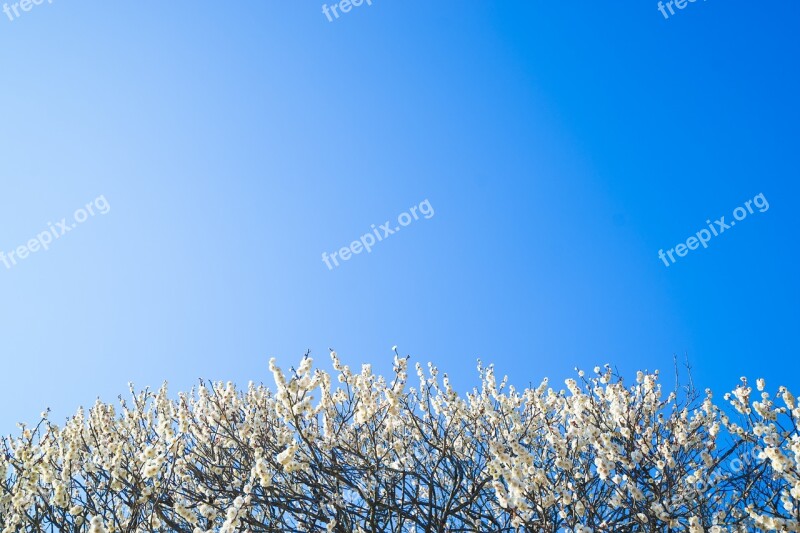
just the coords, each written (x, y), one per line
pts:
(360, 452)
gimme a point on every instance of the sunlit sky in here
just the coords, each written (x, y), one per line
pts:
(559, 145)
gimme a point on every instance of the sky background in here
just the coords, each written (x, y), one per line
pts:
(560, 144)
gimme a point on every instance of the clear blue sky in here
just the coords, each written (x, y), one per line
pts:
(560, 144)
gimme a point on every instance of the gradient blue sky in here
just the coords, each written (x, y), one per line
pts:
(560, 144)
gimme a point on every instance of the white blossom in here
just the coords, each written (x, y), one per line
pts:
(363, 452)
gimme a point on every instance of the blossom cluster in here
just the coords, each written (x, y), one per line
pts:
(354, 451)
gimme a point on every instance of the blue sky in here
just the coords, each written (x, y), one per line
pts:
(560, 145)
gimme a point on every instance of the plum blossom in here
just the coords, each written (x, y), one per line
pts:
(346, 451)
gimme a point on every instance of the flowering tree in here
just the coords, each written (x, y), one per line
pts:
(370, 453)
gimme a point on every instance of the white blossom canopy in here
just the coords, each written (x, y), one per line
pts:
(369, 453)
